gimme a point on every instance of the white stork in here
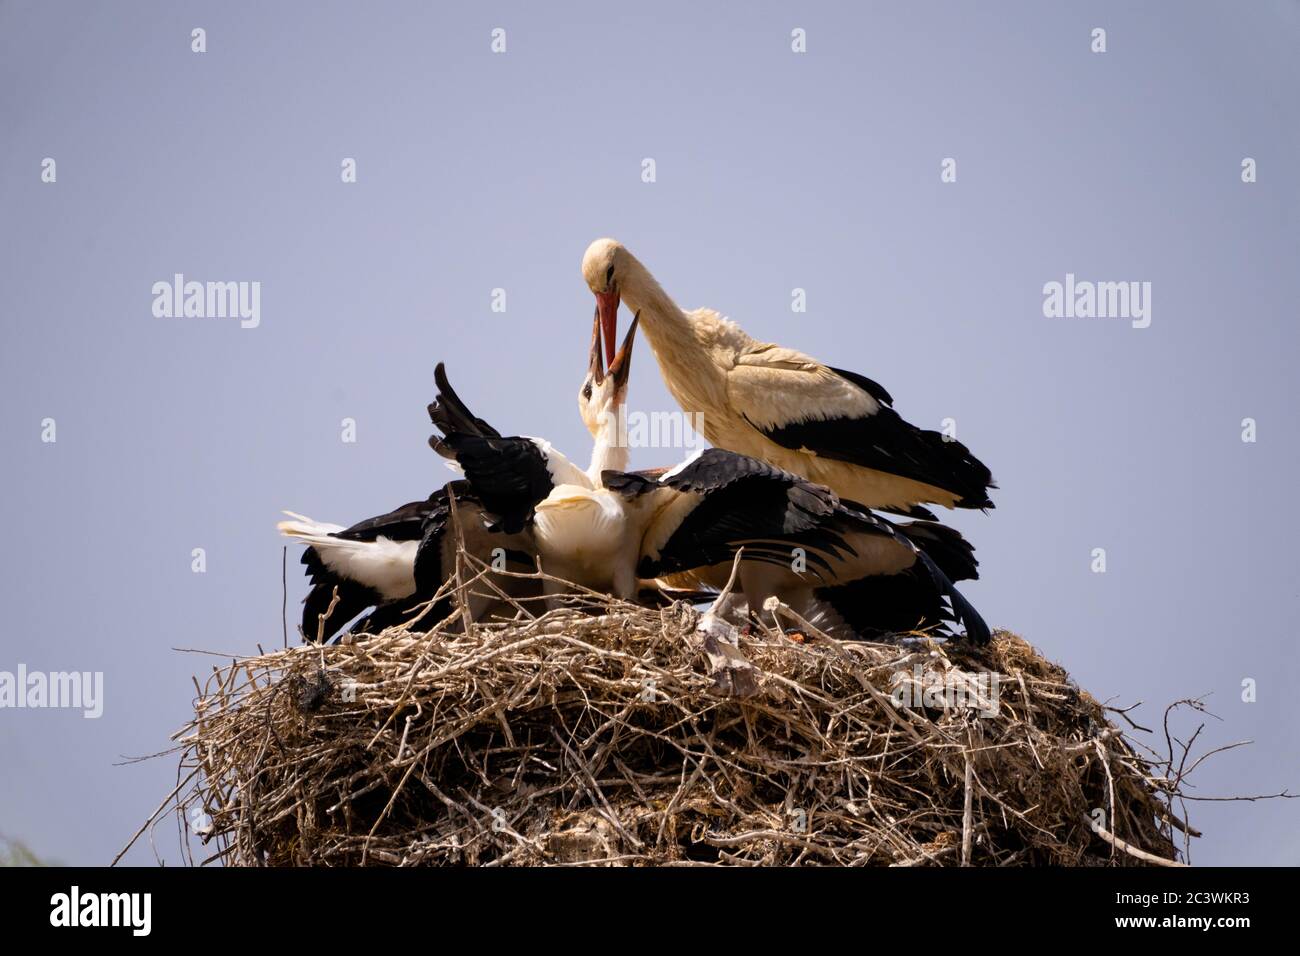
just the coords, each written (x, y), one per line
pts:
(853, 573)
(834, 427)
(396, 562)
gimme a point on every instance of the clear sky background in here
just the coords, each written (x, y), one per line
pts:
(775, 170)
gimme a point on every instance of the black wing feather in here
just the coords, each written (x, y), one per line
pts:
(872, 388)
(451, 414)
(945, 546)
(886, 442)
(410, 522)
(400, 524)
(913, 511)
(921, 597)
(509, 475)
(878, 605)
(745, 503)
(753, 504)
(353, 598)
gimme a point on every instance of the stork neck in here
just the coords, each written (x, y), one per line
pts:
(610, 452)
(661, 318)
(683, 346)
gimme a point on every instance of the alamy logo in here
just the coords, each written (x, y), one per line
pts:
(77, 690)
(656, 429)
(952, 690)
(179, 299)
(1083, 299)
(103, 909)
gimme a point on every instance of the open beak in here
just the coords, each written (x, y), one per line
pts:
(607, 313)
(621, 367)
(596, 363)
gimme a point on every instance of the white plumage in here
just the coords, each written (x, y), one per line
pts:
(384, 565)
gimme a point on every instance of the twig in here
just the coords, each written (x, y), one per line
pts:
(284, 593)
(1125, 847)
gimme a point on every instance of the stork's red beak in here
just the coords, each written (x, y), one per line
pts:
(607, 313)
(595, 363)
(621, 367)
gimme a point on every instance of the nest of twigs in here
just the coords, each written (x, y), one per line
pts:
(603, 733)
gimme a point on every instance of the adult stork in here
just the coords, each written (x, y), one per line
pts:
(851, 572)
(834, 427)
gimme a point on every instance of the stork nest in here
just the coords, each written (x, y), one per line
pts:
(604, 733)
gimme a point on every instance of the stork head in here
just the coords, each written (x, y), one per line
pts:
(603, 264)
(604, 390)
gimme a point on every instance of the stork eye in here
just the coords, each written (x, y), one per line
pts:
(609, 275)
(586, 391)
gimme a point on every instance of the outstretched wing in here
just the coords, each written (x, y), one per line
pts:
(451, 415)
(508, 475)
